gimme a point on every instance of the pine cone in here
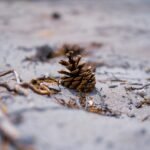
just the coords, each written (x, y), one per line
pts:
(78, 76)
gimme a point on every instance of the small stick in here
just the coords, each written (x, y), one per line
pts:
(70, 104)
(6, 72)
(137, 88)
(5, 85)
(145, 118)
(11, 71)
(17, 89)
(44, 91)
(17, 77)
(8, 131)
(118, 80)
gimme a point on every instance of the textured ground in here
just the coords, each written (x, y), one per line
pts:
(123, 29)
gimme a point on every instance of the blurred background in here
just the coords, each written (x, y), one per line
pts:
(124, 25)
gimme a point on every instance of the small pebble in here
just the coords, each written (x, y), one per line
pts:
(142, 93)
(138, 105)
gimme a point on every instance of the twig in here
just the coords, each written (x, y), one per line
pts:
(17, 88)
(42, 91)
(9, 132)
(42, 85)
(145, 118)
(6, 72)
(70, 104)
(118, 80)
(137, 88)
(11, 71)
(17, 77)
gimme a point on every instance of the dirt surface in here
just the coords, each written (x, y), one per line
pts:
(115, 35)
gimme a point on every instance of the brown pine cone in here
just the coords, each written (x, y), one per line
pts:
(78, 76)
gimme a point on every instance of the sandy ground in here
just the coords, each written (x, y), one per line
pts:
(123, 29)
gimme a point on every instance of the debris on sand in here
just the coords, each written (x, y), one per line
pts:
(56, 15)
(130, 88)
(13, 86)
(43, 54)
(95, 45)
(11, 71)
(145, 101)
(10, 136)
(43, 85)
(88, 107)
(81, 78)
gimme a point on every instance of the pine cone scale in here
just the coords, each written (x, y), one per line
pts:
(76, 83)
(77, 78)
(68, 79)
(75, 72)
(64, 63)
(64, 72)
(66, 84)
